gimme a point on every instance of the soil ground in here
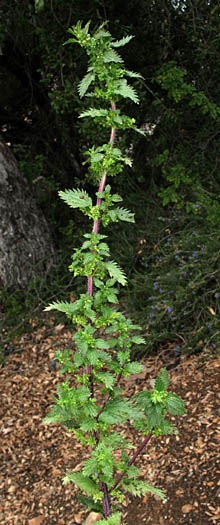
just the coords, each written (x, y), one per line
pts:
(36, 457)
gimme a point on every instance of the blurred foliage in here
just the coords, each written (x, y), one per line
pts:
(174, 289)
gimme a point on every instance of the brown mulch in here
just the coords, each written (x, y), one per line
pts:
(34, 458)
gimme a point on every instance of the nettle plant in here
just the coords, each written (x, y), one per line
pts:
(90, 402)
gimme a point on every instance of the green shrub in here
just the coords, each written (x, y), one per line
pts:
(176, 287)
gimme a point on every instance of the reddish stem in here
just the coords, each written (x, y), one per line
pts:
(106, 501)
(132, 460)
(99, 200)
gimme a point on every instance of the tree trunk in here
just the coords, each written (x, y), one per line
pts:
(26, 247)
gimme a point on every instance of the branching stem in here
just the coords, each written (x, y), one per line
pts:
(132, 460)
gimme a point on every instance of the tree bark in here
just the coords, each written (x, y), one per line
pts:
(26, 247)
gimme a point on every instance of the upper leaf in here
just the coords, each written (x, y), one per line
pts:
(175, 405)
(85, 83)
(162, 380)
(62, 306)
(76, 198)
(112, 56)
(122, 42)
(126, 91)
(115, 271)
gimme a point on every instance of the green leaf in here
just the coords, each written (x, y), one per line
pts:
(138, 340)
(117, 411)
(78, 359)
(154, 415)
(126, 91)
(166, 427)
(93, 112)
(85, 83)
(76, 198)
(139, 488)
(89, 503)
(131, 74)
(162, 380)
(91, 409)
(84, 483)
(106, 378)
(100, 33)
(134, 368)
(114, 519)
(90, 466)
(101, 343)
(175, 405)
(115, 271)
(154, 490)
(88, 424)
(112, 56)
(122, 42)
(62, 306)
(92, 356)
(124, 215)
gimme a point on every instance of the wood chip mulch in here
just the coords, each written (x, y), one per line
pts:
(34, 457)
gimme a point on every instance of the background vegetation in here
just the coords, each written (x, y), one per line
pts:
(171, 254)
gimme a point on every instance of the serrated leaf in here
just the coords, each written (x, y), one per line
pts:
(70, 41)
(101, 33)
(92, 356)
(90, 466)
(122, 42)
(91, 409)
(88, 425)
(134, 367)
(115, 271)
(117, 411)
(175, 405)
(76, 198)
(78, 359)
(62, 306)
(154, 415)
(89, 503)
(112, 56)
(106, 378)
(112, 298)
(139, 488)
(124, 215)
(166, 427)
(85, 83)
(101, 343)
(114, 519)
(138, 340)
(92, 112)
(126, 91)
(131, 74)
(84, 483)
(154, 490)
(122, 356)
(162, 380)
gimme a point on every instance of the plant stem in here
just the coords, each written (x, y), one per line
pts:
(106, 501)
(132, 460)
(99, 200)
